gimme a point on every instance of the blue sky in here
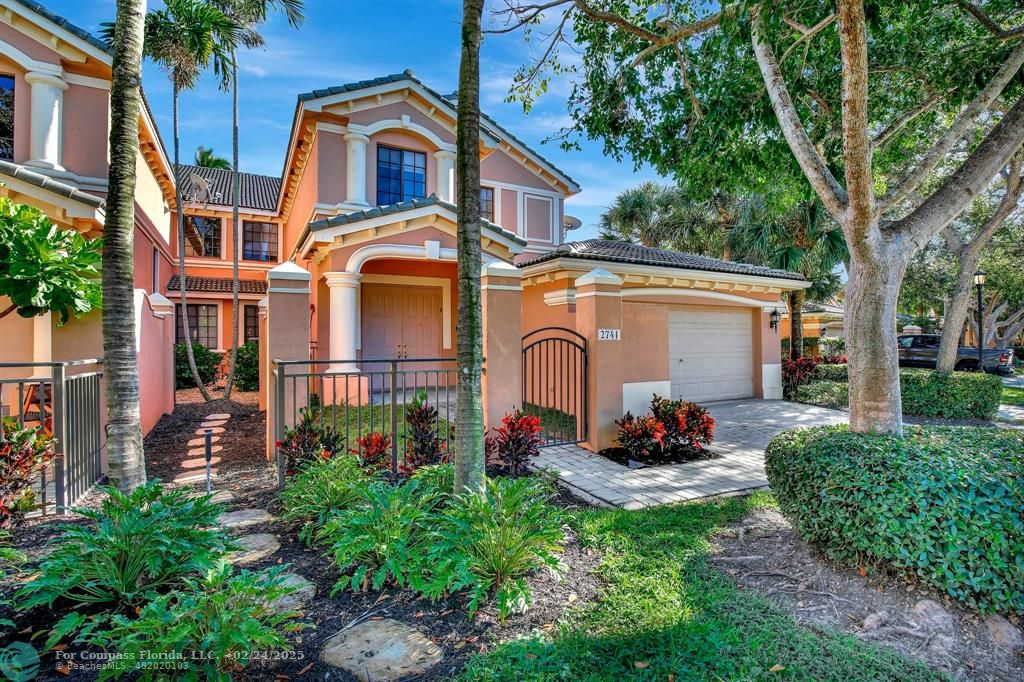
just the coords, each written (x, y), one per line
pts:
(347, 40)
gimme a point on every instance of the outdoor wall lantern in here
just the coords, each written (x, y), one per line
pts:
(773, 321)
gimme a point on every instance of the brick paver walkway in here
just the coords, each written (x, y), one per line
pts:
(743, 429)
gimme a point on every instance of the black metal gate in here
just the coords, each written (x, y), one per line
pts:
(555, 383)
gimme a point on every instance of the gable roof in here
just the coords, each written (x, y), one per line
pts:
(612, 251)
(448, 101)
(74, 30)
(257, 191)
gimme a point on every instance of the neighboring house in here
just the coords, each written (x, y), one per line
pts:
(819, 319)
(54, 128)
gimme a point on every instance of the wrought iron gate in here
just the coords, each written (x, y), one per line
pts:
(555, 383)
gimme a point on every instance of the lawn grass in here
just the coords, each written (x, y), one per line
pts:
(356, 421)
(1012, 395)
(665, 614)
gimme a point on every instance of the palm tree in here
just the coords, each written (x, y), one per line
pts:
(183, 38)
(469, 413)
(247, 14)
(803, 239)
(127, 464)
(205, 158)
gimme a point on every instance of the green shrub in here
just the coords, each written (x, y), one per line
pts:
(831, 373)
(487, 542)
(310, 440)
(207, 362)
(834, 394)
(11, 561)
(382, 540)
(214, 624)
(247, 367)
(832, 345)
(958, 395)
(25, 451)
(942, 502)
(319, 490)
(135, 545)
(423, 442)
(436, 480)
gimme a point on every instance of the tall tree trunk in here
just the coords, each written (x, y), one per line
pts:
(127, 464)
(955, 313)
(796, 324)
(180, 209)
(469, 436)
(236, 198)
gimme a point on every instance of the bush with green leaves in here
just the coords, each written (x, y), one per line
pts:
(247, 367)
(25, 451)
(436, 480)
(832, 373)
(319, 490)
(486, 543)
(311, 439)
(832, 345)
(11, 561)
(136, 545)
(206, 630)
(207, 362)
(942, 502)
(383, 540)
(834, 394)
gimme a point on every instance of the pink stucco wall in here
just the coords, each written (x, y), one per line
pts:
(331, 181)
(86, 131)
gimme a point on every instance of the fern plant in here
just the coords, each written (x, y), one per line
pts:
(136, 545)
(319, 490)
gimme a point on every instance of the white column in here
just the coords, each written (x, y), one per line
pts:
(355, 168)
(344, 322)
(445, 175)
(47, 119)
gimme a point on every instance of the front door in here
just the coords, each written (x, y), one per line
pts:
(401, 321)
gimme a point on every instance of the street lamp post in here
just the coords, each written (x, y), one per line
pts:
(979, 283)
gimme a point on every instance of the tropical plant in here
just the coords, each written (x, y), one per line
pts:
(516, 441)
(319, 490)
(423, 442)
(641, 436)
(134, 546)
(207, 363)
(309, 440)
(373, 451)
(11, 561)
(384, 539)
(435, 481)
(486, 543)
(24, 452)
(205, 158)
(688, 426)
(44, 268)
(247, 368)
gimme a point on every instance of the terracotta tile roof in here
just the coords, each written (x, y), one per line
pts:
(625, 252)
(216, 285)
(67, 25)
(391, 209)
(257, 191)
(32, 177)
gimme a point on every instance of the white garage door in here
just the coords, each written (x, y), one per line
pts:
(710, 353)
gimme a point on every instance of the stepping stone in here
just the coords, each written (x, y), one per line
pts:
(201, 452)
(210, 425)
(296, 600)
(190, 476)
(219, 415)
(254, 547)
(218, 497)
(215, 429)
(381, 650)
(199, 462)
(201, 442)
(244, 517)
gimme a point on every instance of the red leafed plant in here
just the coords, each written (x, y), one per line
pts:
(515, 442)
(642, 436)
(423, 442)
(24, 453)
(688, 426)
(796, 373)
(373, 451)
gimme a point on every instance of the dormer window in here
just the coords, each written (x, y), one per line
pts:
(202, 236)
(401, 175)
(6, 117)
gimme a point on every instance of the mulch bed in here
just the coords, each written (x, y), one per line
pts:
(764, 554)
(622, 456)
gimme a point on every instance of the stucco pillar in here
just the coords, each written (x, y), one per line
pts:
(344, 322)
(261, 308)
(47, 119)
(501, 291)
(287, 338)
(445, 162)
(768, 354)
(355, 168)
(599, 319)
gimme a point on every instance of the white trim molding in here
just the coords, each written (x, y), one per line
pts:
(771, 381)
(652, 292)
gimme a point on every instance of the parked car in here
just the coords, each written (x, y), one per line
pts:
(922, 350)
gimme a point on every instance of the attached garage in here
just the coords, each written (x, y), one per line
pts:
(711, 353)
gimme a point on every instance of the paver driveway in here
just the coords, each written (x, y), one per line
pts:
(743, 429)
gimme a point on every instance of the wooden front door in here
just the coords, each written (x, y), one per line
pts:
(401, 321)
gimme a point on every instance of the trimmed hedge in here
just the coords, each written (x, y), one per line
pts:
(942, 502)
(959, 395)
(247, 371)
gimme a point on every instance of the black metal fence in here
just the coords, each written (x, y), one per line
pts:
(64, 400)
(355, 398)
(555, 383)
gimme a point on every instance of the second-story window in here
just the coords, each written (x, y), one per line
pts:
(202, 236)
(487, 203)
(259, 241)
(6, 117)
(401, 175)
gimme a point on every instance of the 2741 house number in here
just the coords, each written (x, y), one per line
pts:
(609, 334)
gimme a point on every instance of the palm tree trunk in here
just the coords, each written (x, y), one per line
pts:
(469, 436)
(236, 198)
(127, 464)
(796, 324)
(180, 208)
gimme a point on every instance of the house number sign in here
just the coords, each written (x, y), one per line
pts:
(609, 334)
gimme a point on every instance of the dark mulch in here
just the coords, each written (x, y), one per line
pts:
(623, 457)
